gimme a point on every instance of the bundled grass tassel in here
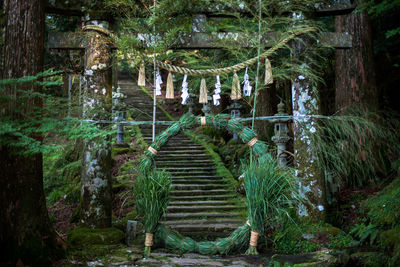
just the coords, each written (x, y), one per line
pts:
(236, 93)
(151, 198)
(268, 72)
(271, 192)
(260, 149)
(146, 164)
(142, 75)
(203, 92)
(234, 126)
(187, 121)
(170, 87)
(221, 121)
(247, 134)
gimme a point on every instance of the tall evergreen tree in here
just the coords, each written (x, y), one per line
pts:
(26, 234)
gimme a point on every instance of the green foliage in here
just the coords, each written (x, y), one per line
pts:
(382, 213)
(271, 193)
(81, 237)
(355, 148)
(379, 225)
(152, 197)
(61, 173)
(384, 209)
(291, 239)
(365, 233)
(172, 21)
(379, 8)
(23, 128)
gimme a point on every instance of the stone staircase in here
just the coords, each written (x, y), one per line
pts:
(202, 204)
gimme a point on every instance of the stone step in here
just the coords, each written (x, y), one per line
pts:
(206, 221)
(182, 152)
(172, 149)
(200, 186)
(198, 181)
(190, 169)
(202, 228)
(194, 165)
(204, 197)
(187, 215)
(171, 209)
(185, 157)
(201, 177)
(187, 161)
(199, 192)
(200, 202)
(174, 141)
(189, 174)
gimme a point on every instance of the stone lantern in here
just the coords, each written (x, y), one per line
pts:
(281, 137)
(235, 113)
(206, 107)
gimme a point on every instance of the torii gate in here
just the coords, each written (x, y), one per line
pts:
(96, 181)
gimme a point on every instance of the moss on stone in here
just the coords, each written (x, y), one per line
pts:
(121, 224)
(116, 150)
(384, 208)
(390, 237)
(368, 259)
(328, 230)
(318, 258)
(84, 237)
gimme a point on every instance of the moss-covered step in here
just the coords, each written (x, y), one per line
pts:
(204, 197)
(197, 215)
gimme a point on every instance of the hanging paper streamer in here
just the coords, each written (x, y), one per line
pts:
(170, 87)
(217, 91)
(268, 72)
(246, 85)
(236, 94)
(203, 92)
(185, 93)
(158, 82)
(142, 75)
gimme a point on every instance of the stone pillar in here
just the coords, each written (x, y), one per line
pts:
(311, 182)
(97, 104)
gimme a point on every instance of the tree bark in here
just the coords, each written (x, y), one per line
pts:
(306, 103)
(96, 195)
(355, 71)
(266, 106)
(26, 234)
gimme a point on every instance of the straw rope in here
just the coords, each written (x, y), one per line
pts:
(234, 68)
(252, 142)
(209, 72)
(152, 150)
(203, 121)
(149, 240)
(253, 238)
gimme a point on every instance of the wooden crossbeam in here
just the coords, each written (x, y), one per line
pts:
(200, 40)
(74, 8)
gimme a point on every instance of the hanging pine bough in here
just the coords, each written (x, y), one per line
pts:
(261, 179)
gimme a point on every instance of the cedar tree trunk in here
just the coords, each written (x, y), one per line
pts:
(26, 234)
(355, 71)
